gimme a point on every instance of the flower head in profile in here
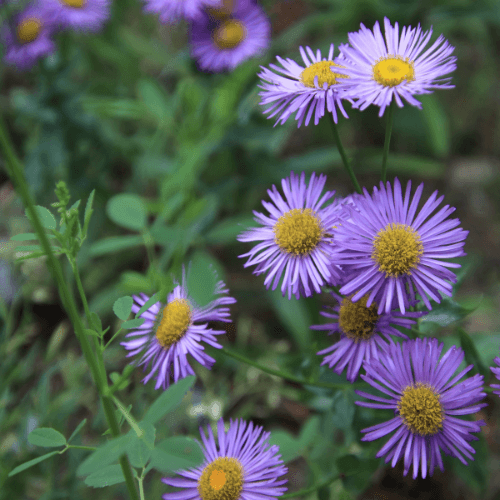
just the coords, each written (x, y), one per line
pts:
(222, 43)
(30, 38)
(423, 392)
(399, 66)
(304, 90)
(77, 15)
(176, 329)
(242, 467)
(171, 11)
(390, 249)
(496, 372)
(296, 237)
(362, 332)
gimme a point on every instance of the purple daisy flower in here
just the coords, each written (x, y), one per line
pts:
(389, 248)
(223, 45)
(174, 330)
(78, 15)
(362, 331)
(496, 372)
(379, 69)
(243, 467)
(171, 11)
(303, 89)
(296, 238)
(425, 401)
(31, 40)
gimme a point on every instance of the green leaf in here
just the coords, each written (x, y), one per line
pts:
(203, 274)
(29, 464)
(152, 300)
(438, 125)
(443, 314)
(290, 447)
(343, 410)
(169, 400)
(177, 453)
(111, 474)
(96, 322)
(46, 437)
(123, 307)
(93, 333)
(225, 232)
(324, 493)
(88, 213)
(309, 431)
(104, 455)
(133, 323)
(78, 429)
(139, 449)
(471, 353)
(294, 315)
(349, 465)
(114, 244)
(28, 236)
(47, 220)
(155, 99)
(114, 376)
(128, 211)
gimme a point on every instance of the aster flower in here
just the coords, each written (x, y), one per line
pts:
(173, 330)
(389, 248)
(78, 15)
(242, 467)
(296, 237)
(425, 402)
(362, 333)
(171, 11)
(221, 45)
(379, 69)
(303, 90)
(31, 40)
(496, 372)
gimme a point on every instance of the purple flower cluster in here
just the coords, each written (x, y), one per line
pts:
(28, 37)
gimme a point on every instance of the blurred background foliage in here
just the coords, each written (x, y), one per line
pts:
(127, 113)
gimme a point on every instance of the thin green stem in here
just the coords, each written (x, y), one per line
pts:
(77, 447)
(112, 338)
(387, 141)
(343, 155)
(141, 485)
(15, 171)
(288, 376)
(311, 489)
(128, 417)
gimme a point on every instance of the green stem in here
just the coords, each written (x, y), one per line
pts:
(15, 171)
(128, 417)
(343, 155)
(141, 485)
(387, 141)
(312, 489)
(288, 376)
(77, 447)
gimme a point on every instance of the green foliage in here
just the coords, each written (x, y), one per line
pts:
(46, 437)
(176, 453)
(128, 211)
(123, 307)
(109, 475)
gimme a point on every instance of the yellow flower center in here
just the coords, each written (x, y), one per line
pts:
(28, 29)
(173, 322)
(397, 249)
(356, 320)
(78, 4)
(392, 70)
(298, 231)
(421, 410)
(323, 72)
(222, 479)
(229, 34)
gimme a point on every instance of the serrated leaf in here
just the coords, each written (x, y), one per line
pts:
(114, 244)
(169, 400)
(109, 475)
(78, 429)
(46, 437)
(47, 220)
(128, 211)
(29, 464)
(123, 307)
(133, 323)
(177, 453)
(104, 455)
